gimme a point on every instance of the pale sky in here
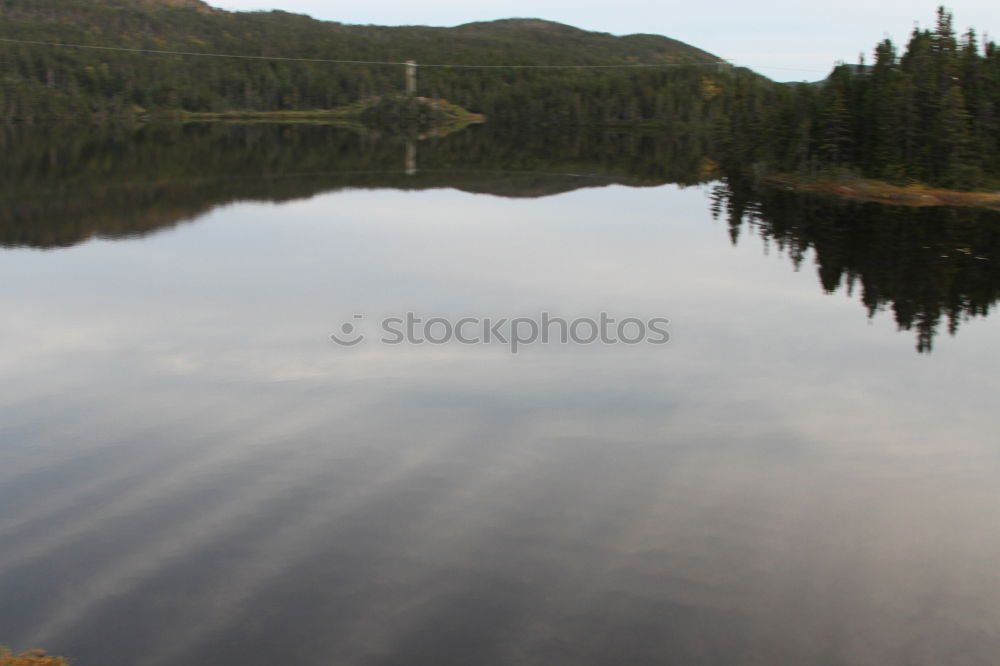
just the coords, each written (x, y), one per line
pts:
(783, 39)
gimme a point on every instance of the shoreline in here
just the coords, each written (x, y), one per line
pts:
(877, 191)
(453, 118)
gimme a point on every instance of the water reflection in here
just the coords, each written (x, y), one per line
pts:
(63, 186)
(927, 265)
(192, 473)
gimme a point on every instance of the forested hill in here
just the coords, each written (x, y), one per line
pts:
(44, 81)
(191, 25)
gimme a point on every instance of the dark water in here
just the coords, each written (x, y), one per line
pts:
(192, 472)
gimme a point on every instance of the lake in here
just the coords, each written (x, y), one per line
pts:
(804, 470)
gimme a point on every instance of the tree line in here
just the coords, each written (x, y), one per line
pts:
(930, 114)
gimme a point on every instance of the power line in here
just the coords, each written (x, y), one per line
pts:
(352, 62)
(393, 63)
(191, 53)
(791, 69)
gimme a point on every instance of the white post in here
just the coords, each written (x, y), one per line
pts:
(411, 78)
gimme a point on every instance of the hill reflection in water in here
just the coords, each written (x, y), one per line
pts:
(932, 267)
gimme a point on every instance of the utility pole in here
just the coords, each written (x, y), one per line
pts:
(411, 78)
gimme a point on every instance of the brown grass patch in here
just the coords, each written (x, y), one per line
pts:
(863, 189)
(29, 658)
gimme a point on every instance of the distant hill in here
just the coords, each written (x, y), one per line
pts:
(192, 24)
(43, 81)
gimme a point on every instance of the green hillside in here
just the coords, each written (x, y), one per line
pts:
(39, 81)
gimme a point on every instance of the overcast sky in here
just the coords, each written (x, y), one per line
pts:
(783, 39)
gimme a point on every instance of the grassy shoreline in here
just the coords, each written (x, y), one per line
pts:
(877, 191)
(448, 117)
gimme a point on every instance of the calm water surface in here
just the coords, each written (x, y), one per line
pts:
(192, 472)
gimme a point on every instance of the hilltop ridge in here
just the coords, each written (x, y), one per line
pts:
(359, 62)
(135, 23)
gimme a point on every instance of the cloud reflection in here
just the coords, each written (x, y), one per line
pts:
(778, 485)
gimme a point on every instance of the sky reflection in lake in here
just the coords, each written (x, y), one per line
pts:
(194, 473)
